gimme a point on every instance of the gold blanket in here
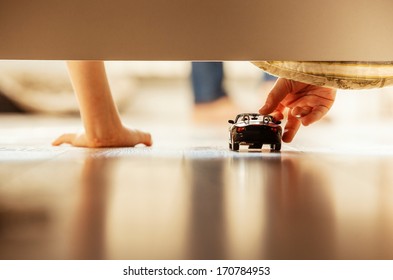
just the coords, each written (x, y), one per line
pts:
(334, 74)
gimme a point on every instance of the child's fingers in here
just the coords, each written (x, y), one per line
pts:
(278, 114)
(279, 91)
(291, 128)
(311, 101)
(315, 115)
(300, 112)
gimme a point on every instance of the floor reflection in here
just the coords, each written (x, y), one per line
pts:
(253, 207)
(206, 218)
(89, 226)
(198, 204)
(300, 212)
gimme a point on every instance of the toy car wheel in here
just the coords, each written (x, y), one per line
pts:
(235, 146)
(230, 146)
(276, 147)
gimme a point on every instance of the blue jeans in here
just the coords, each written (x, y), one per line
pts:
(207, 81)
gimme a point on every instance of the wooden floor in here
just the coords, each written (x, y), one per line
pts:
(328, 195)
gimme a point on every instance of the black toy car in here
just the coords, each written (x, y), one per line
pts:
(254, 130)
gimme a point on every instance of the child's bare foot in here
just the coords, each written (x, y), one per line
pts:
(124, 138)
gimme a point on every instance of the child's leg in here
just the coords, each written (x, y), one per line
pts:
(103, 127)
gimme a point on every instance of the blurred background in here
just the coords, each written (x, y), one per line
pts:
(164, 89)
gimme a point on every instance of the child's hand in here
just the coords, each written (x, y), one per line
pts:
(307, 104)
(125, 137)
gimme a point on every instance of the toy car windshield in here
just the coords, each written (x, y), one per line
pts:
(253, 117)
